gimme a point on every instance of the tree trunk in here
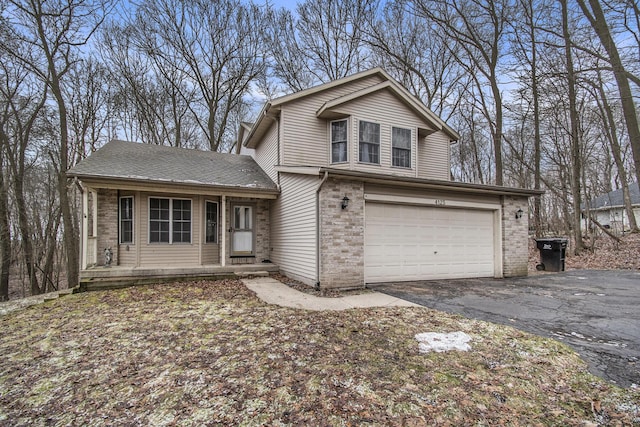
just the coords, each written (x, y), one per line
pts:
(612, 135)
(497, 136)
(576, 165)
(5, 234)
(599, 24)
(25, 233)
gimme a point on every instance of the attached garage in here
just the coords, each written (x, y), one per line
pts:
(405, 242)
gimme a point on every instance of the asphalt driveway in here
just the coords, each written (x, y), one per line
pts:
(597, 313)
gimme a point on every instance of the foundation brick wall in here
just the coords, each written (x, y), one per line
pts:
(107, 224)
(341, 235)
(515, 235)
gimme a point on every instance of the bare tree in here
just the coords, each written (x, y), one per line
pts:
(212, 48)
(595, 15)
(50, 34)
(324, 42)
(478, 29)
(421, 58)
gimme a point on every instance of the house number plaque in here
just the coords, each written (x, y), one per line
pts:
(440, 202)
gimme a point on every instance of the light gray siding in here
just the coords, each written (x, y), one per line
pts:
(293, 227)
(266, 154)
(305, 137)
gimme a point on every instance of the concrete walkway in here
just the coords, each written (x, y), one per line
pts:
(10, 306)
(274, 292)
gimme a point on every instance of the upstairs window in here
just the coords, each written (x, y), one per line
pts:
(401, 147)
(169, 220)
(126, 219)
(339, 141)
(369, 142)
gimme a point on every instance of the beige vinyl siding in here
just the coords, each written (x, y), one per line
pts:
(434, 157)
(305, 137)
(384, 108)
(210, 251)
(429, 194)
(163, 254)
(266, 154)
(293, 227)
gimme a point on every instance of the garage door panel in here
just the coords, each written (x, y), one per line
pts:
(417, 243)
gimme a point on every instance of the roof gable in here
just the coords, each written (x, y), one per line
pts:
(328, 110)
(272, 108)
(121, 160)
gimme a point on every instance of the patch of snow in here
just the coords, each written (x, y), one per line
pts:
(439, 342)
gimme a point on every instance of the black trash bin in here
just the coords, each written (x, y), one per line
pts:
(552, 253)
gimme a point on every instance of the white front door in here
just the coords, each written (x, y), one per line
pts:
(242, 230)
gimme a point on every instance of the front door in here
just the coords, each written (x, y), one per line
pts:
(242, 230)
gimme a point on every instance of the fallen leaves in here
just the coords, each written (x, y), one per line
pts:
(212, 353)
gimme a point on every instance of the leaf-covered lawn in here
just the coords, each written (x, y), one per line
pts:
(212, 353)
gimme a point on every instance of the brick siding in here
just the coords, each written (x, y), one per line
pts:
(341, 235)
(515, 234)
(107, 224)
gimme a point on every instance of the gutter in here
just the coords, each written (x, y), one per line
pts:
(432, 184)
(324, 179)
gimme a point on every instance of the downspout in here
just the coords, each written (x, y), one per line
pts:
(324, 178)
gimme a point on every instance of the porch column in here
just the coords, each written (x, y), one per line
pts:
(94, 199)
(85, 227)
(223, 222)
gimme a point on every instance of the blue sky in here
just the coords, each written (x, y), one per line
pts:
(289, 4)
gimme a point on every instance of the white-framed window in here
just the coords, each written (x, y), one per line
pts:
(401, 147)
(211, 222)
(339, 141)
(169, 220)
(125, 215)
(369, 142)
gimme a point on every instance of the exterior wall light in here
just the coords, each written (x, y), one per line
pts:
(345, 202)
(519, 213)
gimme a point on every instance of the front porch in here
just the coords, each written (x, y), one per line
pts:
(101, 278)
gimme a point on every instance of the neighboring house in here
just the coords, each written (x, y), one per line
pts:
(608, 209)
(353, 187)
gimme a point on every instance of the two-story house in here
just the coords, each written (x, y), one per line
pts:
(339, 185)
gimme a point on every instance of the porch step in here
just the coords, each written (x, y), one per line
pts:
(117, 279)
(245, 274)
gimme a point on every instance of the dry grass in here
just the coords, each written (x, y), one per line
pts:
(212, 353)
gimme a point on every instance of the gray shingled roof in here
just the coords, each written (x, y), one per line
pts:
(614, 198)
(145, 162)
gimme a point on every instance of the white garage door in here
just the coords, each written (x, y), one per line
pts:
(420, 243)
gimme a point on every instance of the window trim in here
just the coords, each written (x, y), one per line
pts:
(217, 232)
(331, 142)
(120, 220)
(170, 242)
(360, 142)
(410, 148)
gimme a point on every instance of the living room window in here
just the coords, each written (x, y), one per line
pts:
(126, 219)
(401, 147)
(169, 220)
(369, 142)
(339, 141)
